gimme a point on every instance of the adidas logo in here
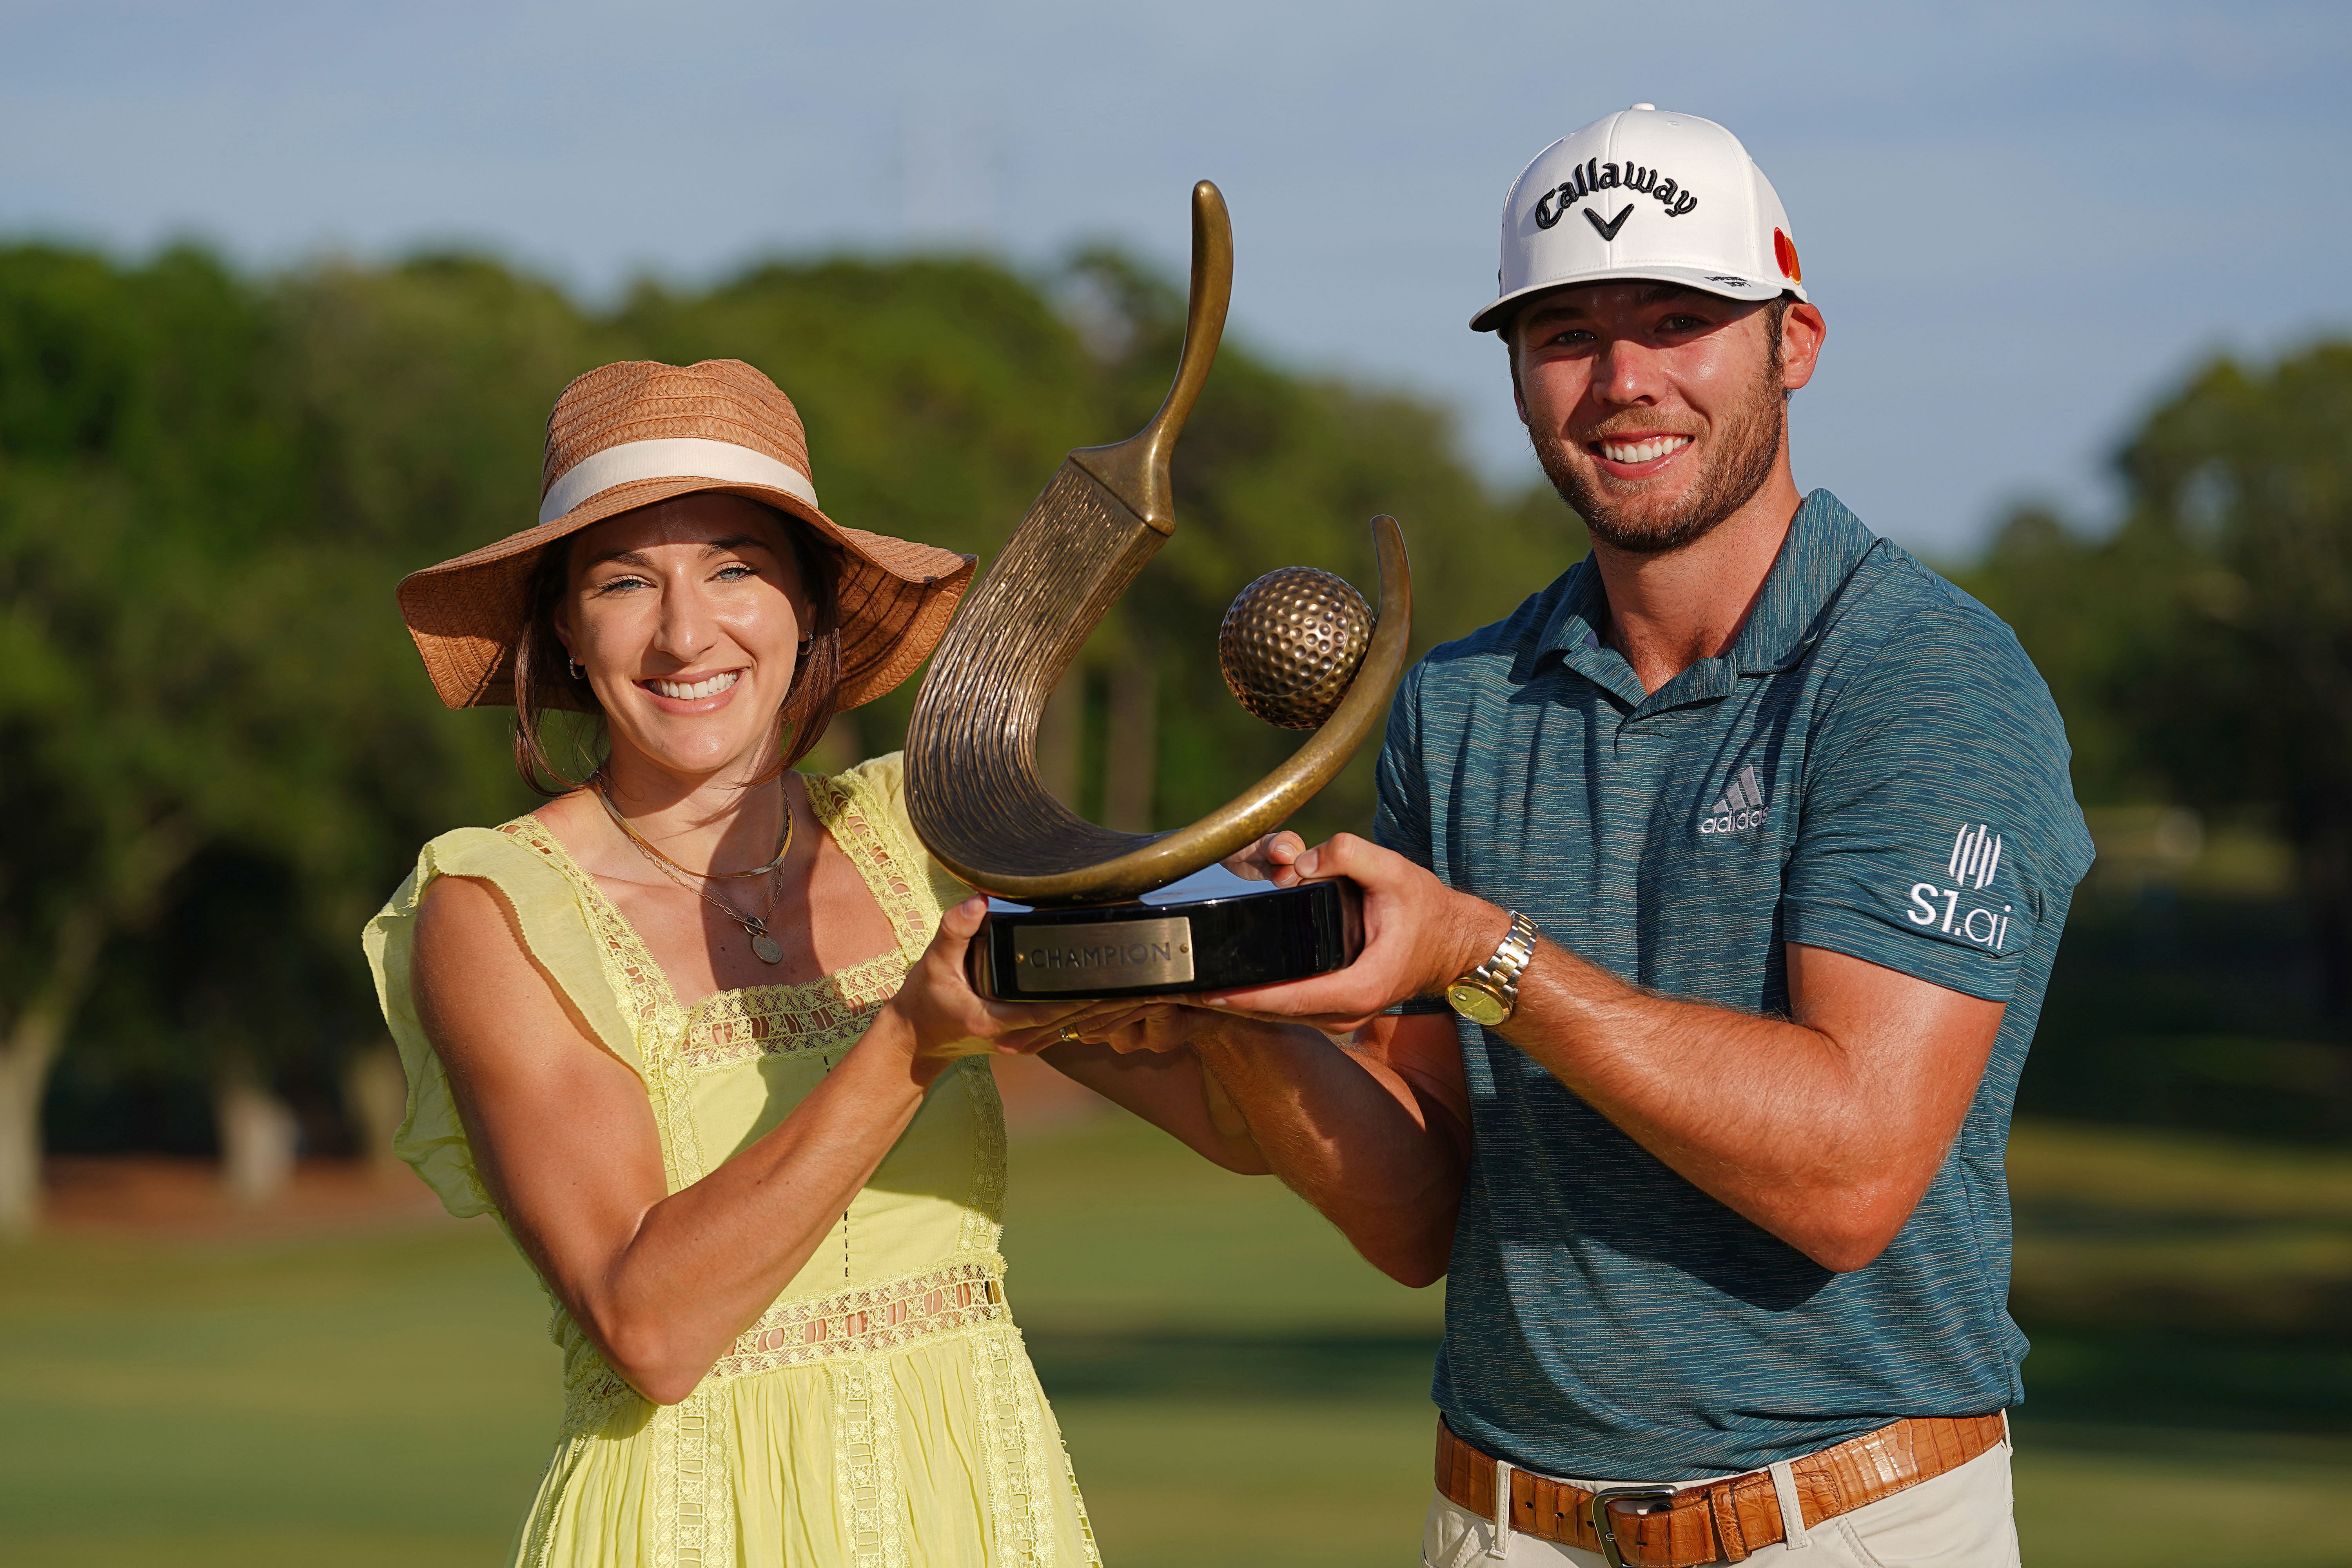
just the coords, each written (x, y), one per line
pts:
(1741, 805)
(1976, 856)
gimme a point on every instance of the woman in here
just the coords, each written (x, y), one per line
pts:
(697, 1030)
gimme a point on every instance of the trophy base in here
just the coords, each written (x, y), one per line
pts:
(1210, 932)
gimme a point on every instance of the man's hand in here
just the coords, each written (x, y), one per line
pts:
(1418, 935)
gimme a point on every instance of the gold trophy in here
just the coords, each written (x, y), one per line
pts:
(1080, 911)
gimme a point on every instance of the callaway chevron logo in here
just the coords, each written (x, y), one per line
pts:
(1741, 806)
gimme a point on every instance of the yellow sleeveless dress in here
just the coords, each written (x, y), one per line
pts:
(883, 1412)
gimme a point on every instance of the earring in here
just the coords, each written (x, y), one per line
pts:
(576, 671)
(806, 643)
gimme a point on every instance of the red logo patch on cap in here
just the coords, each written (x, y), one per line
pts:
(1784, 251)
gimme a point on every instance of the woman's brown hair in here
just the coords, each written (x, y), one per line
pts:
(808, 708)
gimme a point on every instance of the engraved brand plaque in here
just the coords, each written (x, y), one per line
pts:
(1104, 955)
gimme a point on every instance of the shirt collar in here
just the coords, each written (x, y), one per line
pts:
(1824, 545)
(1573, 633)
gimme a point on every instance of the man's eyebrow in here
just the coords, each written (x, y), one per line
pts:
(1559, 310)
(1657, 293)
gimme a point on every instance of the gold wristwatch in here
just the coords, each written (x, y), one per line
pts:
(1489, 994)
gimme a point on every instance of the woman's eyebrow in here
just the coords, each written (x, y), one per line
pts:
(712, 547)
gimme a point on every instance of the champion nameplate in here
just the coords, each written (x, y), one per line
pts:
(1105, 954)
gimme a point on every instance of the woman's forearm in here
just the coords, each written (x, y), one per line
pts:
(1351, 1137)
(1168, 1089)
(703, 1262)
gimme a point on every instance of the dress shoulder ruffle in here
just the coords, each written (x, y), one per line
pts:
(555, 930)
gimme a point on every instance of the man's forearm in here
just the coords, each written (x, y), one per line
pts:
(1350, 1136)
(1815, 1134)
(1824, 1129)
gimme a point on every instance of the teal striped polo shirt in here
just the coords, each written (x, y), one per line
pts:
(1874, 767)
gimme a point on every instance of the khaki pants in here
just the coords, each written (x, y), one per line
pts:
(1959, 1519)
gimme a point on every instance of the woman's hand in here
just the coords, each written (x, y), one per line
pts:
(1270, 860)
(941, 1017)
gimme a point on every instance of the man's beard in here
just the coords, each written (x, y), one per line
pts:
(1742, 460)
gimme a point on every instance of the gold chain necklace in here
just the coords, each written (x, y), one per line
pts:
(765, 947)
(783, 846)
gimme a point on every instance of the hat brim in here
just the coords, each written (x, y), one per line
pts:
(894, 598)
(1496, 316)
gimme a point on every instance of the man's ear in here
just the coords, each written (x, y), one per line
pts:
(1801, 331)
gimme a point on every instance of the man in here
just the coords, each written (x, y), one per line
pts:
(1740, 853)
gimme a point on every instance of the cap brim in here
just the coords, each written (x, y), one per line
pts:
(1749, 289)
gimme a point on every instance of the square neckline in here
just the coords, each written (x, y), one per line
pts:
(831, 802)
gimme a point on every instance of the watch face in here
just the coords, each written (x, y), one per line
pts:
(1476, 1004)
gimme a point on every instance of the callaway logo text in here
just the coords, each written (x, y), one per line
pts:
(1596, 175)
(1973, 863)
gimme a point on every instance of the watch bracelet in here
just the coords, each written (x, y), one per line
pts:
(1518, 947)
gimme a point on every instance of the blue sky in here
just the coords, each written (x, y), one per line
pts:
(2022, 221)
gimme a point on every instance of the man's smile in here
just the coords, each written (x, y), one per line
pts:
(1636, 457)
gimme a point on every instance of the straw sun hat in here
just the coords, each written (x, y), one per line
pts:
(639, 432)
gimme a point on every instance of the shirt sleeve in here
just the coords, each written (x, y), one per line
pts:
(1401, 818)
(1939, 834)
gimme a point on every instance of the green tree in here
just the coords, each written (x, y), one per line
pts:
(2203, 650)
(129, 414)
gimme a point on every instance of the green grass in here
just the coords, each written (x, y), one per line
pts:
(1233, 1384)
(382, 1398)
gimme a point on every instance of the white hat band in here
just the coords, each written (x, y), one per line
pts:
(686, 458)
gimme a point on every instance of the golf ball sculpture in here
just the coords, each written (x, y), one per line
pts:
(1291, 643)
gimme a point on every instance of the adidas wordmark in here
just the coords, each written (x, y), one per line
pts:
(1741, 806)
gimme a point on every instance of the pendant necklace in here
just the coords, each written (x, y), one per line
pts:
(765, 947)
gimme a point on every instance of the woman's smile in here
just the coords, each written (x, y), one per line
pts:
(691, 693)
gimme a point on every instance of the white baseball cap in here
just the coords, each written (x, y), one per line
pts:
(1645, 194)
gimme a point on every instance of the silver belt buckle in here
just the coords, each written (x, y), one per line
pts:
(1605, 1530)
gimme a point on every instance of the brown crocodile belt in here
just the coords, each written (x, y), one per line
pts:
(1715, 1521)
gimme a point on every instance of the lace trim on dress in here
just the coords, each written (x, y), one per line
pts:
(1012, 1433)
(701, 1528)
(866, 1463)
(871, 1319)
(881, 857)
(980, 1231)
(827, 1015)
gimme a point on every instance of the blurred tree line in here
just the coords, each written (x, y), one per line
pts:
(2202, 652)
(219, 752)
